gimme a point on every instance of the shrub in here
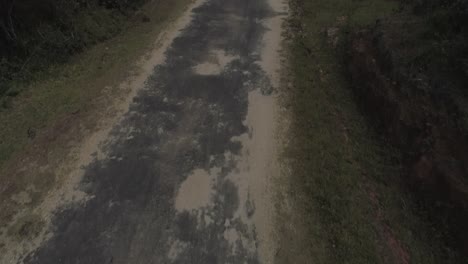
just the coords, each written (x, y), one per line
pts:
(35, 34)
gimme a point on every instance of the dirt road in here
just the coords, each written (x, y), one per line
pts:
(185, 175)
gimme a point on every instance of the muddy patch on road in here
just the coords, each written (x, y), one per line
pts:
(215, 63)
(196, 191)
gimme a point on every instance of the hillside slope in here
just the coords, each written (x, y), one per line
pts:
(351, 196)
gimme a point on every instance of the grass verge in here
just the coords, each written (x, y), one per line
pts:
(66, 89)
(45, 123)
(345, 179)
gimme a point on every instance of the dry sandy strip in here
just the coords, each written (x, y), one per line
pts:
(262, 148)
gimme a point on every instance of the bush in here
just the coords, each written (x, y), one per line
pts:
(35, 34)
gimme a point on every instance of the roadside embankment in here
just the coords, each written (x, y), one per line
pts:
(415, 94)
(347, 201)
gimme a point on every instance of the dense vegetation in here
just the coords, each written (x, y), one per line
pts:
(36, 34)
(350, 178)
(409, 72)
(421, 80)
(443, 44)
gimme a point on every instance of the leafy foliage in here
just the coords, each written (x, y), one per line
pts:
(446, 26)
(35, 34)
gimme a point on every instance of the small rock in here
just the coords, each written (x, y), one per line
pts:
(31, 133)
(332, 34)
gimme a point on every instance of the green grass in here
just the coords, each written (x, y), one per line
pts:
(64, 103)
(77, 85)
(50, 33)
(339, 164)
